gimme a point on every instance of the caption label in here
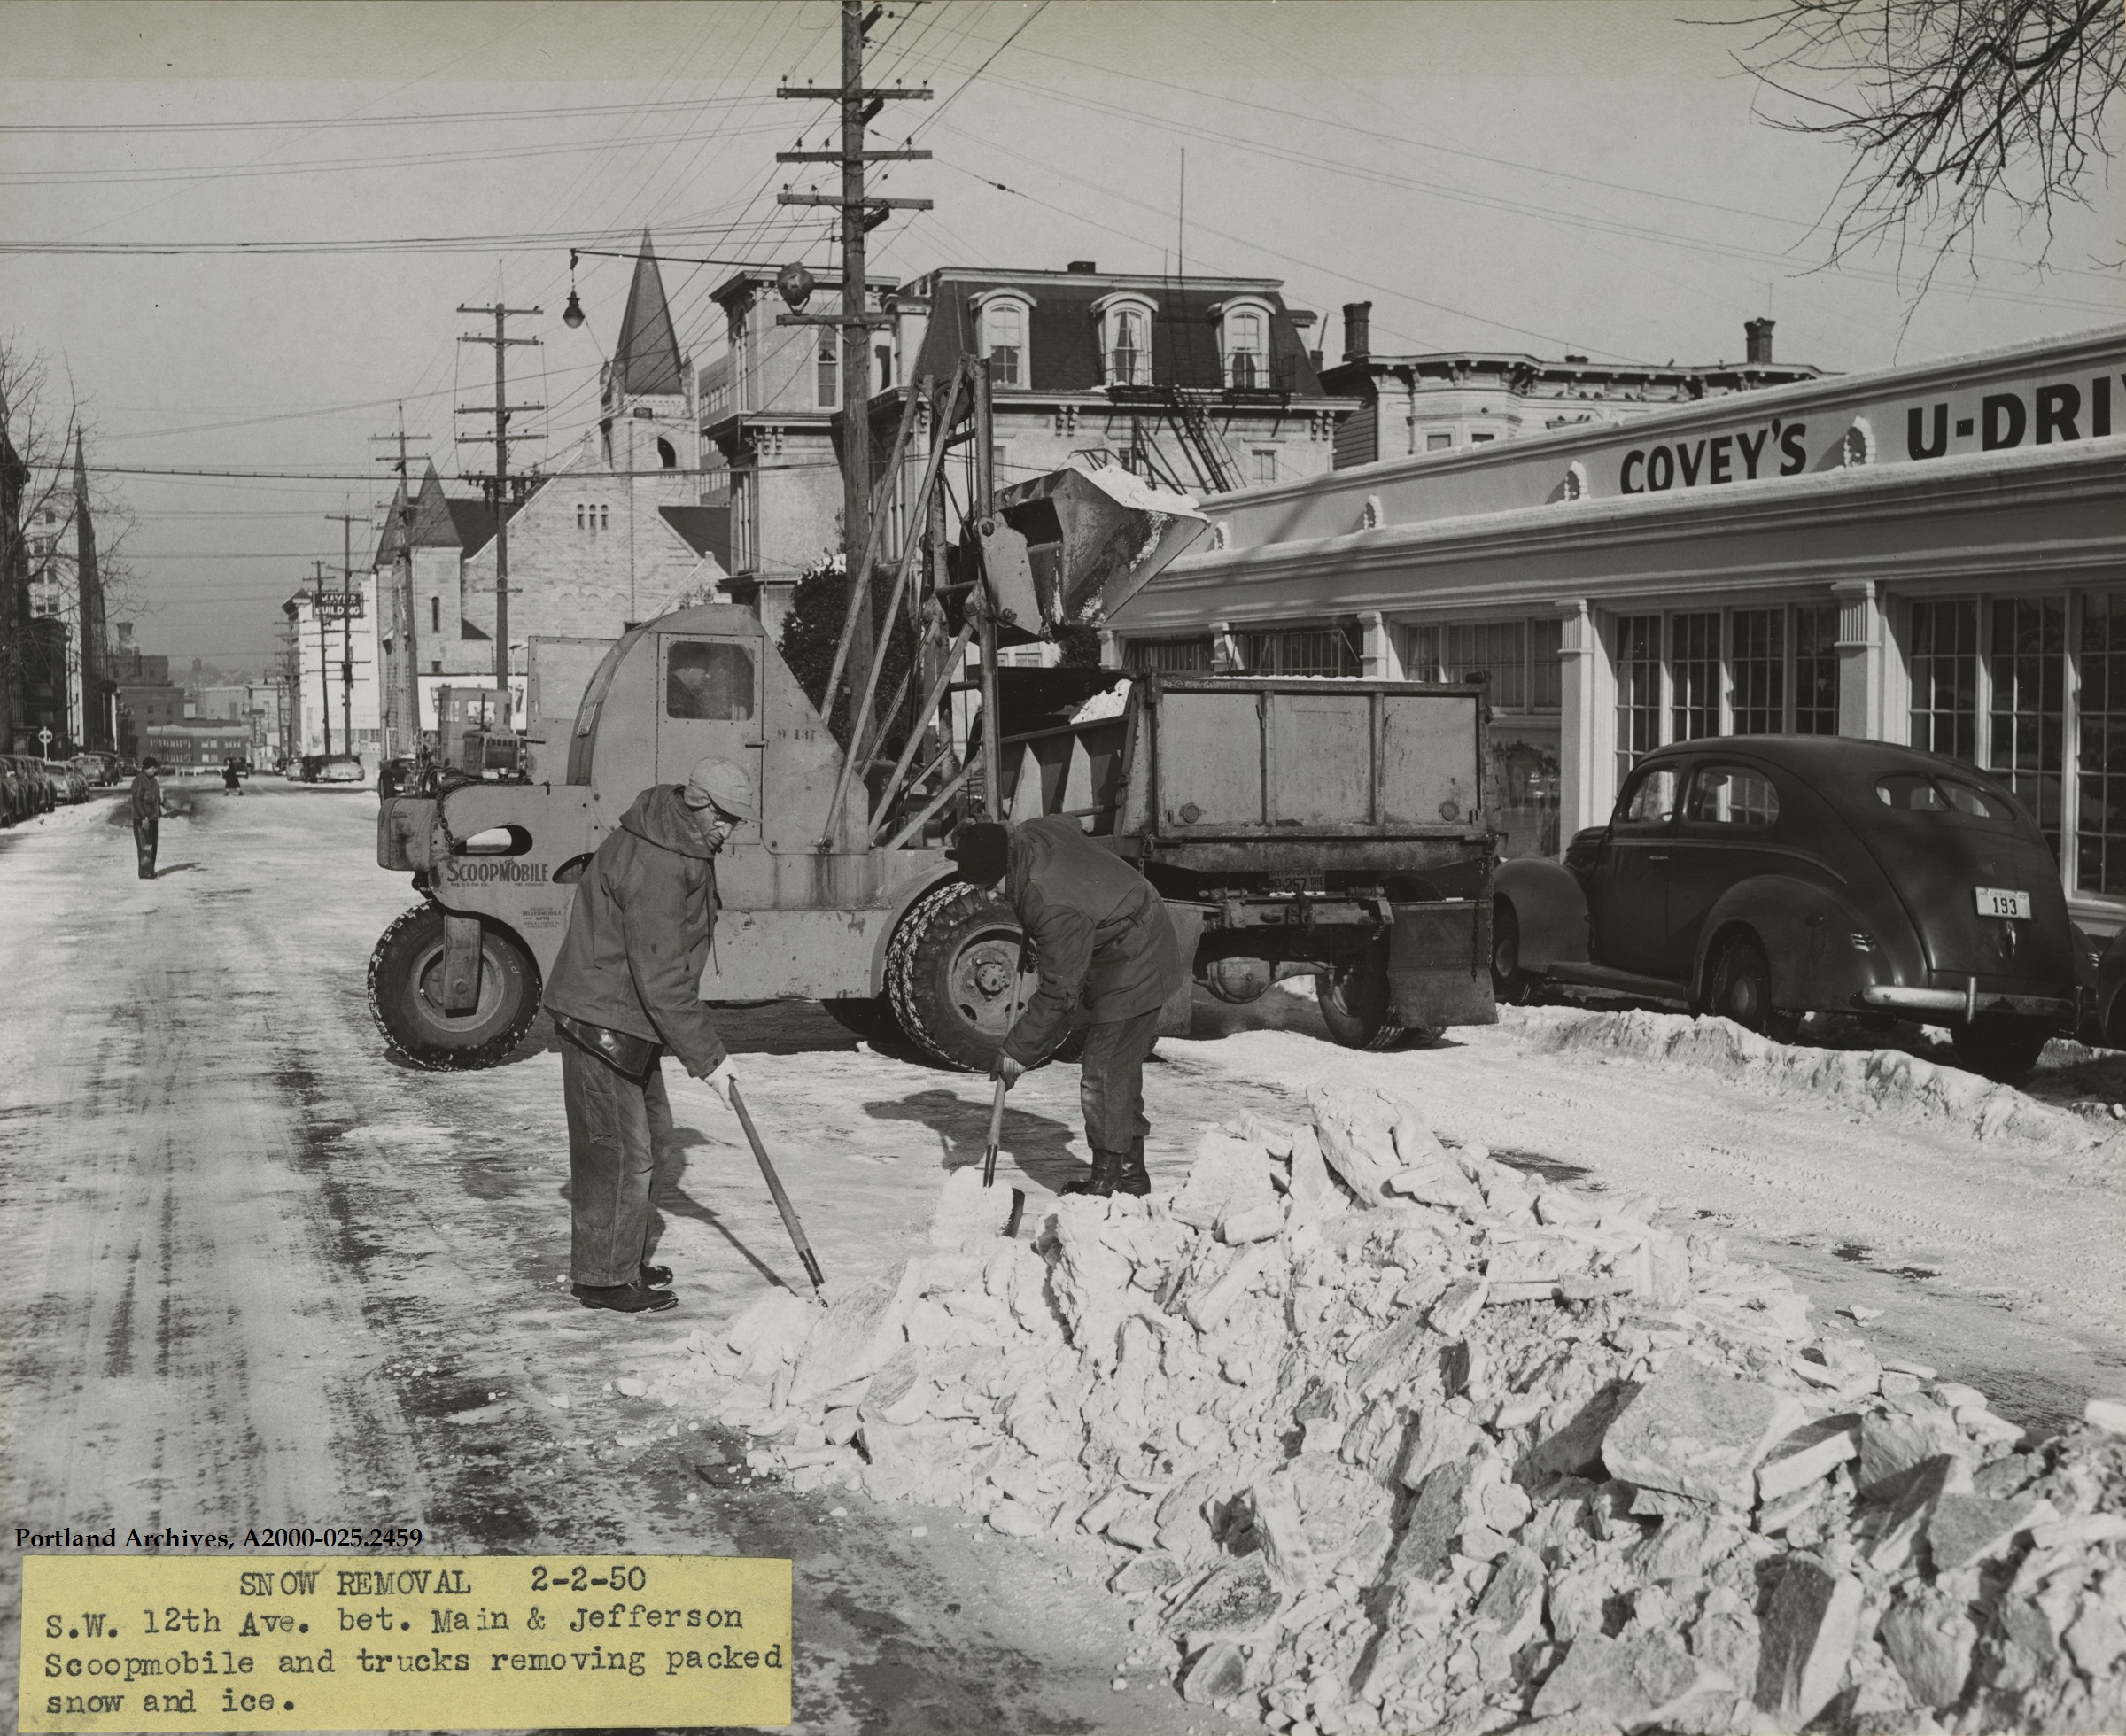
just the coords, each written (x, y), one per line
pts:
(437, 1642)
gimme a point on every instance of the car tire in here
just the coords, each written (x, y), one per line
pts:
(1354, 1002)
(1510, 984)
(1740, 990)
(952, 975)
(405, 971)
(2002, 1049)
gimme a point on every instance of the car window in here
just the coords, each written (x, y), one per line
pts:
(1728, 795)
(1649, 799)
(1914, 793)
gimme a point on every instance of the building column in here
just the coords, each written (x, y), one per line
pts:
(1864, 703)
(1586, 723)
(1379, 660)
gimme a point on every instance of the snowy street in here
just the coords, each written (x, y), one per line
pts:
(262, 1276)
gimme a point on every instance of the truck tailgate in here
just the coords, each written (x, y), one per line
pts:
(1268, 756)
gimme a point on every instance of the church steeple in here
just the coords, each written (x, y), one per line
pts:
(646, 361)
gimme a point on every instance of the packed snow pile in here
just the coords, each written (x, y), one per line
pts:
(1874, 1079)
(1383, 1434)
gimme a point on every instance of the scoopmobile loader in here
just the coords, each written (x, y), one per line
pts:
(1292, 824)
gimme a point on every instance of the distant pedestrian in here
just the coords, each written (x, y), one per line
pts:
(625, 988)
(231, 784)
(147, 815)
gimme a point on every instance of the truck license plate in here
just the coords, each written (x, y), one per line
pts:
(1993, 901)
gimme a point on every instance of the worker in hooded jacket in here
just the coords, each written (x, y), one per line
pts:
(625, 988)
(1108, 960)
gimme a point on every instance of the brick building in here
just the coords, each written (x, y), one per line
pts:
(1446, 400)
(1204, 385)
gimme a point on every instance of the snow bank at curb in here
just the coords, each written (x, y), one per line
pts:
(1881, 1080)
(1383, 1434)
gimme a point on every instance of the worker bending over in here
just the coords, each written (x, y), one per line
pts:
(625, 988)
(1107, 959)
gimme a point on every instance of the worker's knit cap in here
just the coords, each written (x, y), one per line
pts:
(724, 783)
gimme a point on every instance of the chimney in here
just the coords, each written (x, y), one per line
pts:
(1084, 268)
(1758, 334)
(1358, 338)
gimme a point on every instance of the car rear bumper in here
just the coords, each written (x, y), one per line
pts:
(1969, 1002)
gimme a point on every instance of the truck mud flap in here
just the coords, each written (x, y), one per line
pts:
(1439, 964)
(402, 828)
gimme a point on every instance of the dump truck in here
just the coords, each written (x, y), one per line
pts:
(1292, 824)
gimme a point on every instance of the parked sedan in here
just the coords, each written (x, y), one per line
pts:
(1762, 878)
(39, 796)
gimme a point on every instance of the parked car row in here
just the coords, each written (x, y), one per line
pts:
(30, 785)
(1766, 877)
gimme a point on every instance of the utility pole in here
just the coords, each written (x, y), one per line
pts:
(498, 484)
(325, 653)
(346, 624)
(860, 215)
(411, 698)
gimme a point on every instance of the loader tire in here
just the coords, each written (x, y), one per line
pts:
(952, 974)
(405, 974)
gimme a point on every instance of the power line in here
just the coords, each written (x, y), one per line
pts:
(316, 123)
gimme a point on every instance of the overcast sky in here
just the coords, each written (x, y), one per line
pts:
(1590, 177)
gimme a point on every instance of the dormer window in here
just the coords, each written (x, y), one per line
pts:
(1125, 339)
(1244, 343)
(1006, 316)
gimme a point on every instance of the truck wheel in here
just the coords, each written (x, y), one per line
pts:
(952, 974)
(1354, 999)
(405, 994)
(1509, 983)
(2003, 1048)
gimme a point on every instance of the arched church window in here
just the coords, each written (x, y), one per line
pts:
(666, 455)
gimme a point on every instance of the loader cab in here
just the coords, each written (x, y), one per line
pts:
(699, 682)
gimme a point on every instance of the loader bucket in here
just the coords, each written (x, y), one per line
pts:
(1094, 538)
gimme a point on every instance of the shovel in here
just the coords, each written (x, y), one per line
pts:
(988, 1160)
(782, 1200)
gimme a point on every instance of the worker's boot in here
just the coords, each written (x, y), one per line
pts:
(1130, 1177)
(1107, 1168)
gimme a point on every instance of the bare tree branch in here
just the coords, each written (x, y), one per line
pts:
(1950, 108)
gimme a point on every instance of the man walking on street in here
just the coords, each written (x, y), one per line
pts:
(625, 988)
(147, 816)
(1108, 957)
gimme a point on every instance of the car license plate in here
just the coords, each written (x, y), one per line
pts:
(1993, 901)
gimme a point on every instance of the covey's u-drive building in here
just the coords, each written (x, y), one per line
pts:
(1933, 554)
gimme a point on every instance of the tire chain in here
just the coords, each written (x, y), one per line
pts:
(900, 964)
(487, 1054)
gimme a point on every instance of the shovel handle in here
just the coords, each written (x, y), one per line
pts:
(989, 1160)
(782, 1200)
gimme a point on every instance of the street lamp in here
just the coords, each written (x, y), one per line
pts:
(796, 285)
(571, 316)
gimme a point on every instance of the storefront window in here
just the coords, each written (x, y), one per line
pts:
(1520, 659)
(1693, 673)
(1816, 668)
(1301, 651)
(2028, 669)
(1638, 688)
(2100, 830)
(1175, 656)
(1760, 672)
(1945, 678)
